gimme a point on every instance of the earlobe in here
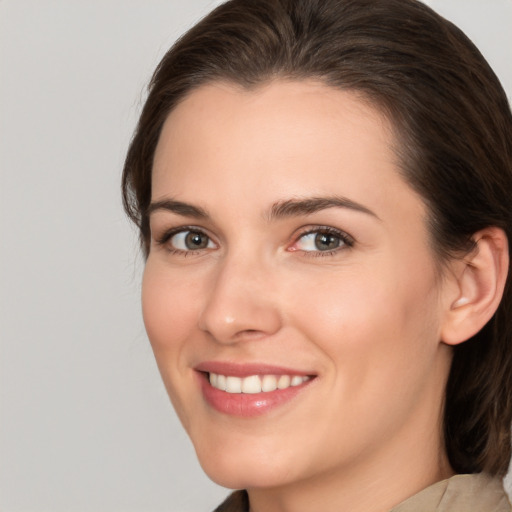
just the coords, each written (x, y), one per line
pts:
(480, 281)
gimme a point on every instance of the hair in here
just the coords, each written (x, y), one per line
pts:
(453, 129)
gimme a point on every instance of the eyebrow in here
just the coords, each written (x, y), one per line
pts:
(307, 206)
(178, 207)
(279, 210)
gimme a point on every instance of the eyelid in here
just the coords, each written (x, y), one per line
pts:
(163, 239)
(347, 241)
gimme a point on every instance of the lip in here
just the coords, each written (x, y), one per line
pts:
(247, 369)
(242, 404)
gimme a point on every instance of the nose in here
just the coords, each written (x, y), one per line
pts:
(241, 303)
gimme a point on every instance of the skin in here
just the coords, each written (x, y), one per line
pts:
(366, 319)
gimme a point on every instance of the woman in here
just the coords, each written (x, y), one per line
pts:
(323, 189)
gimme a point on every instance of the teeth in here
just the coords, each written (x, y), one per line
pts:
(251, 384)
(221, 382)
(269, 383)
(296, 380)
(255, 383)
(233, 385)
(284, 382)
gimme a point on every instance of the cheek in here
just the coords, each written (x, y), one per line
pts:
(168, 308)
(343, 307)
(371, 322)
(378, 335)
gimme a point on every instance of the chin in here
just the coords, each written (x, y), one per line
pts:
(244, 478)
(240, 469)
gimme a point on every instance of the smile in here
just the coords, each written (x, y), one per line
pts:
(255, 383)
(248, 390)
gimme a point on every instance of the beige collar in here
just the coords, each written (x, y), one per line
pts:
(460, 493)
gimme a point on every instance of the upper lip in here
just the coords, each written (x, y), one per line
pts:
(247, 369)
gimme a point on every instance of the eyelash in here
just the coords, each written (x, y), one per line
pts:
(164, 239)
(346, 240)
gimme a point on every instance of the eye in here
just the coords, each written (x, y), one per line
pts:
(187, 240)
(326, 240)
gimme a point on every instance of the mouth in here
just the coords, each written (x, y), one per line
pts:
(249, 390)
(255, 383)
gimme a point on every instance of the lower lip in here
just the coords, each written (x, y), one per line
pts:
(247, 404)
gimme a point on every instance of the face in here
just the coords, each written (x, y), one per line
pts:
(290, 294)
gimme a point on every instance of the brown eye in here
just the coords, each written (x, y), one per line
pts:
(327, 241)
(196, 240)
(322, 240)
(189, 240)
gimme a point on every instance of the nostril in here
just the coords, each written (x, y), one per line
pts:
(249, 334)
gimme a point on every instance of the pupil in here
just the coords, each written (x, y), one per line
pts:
(325, 241)
(196, 241)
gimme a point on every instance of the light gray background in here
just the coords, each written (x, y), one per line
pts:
(85, 422)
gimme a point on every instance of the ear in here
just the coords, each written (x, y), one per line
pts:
(479, 280)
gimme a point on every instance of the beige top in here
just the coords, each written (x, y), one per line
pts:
(461, 493)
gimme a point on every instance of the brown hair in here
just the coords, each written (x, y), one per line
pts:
(454, 132)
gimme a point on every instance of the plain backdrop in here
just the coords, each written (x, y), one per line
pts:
(85, 424)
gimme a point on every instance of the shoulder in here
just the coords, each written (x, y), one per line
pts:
(461, 493)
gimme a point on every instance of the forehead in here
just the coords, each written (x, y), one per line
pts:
(298, 138)
(278, 101)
